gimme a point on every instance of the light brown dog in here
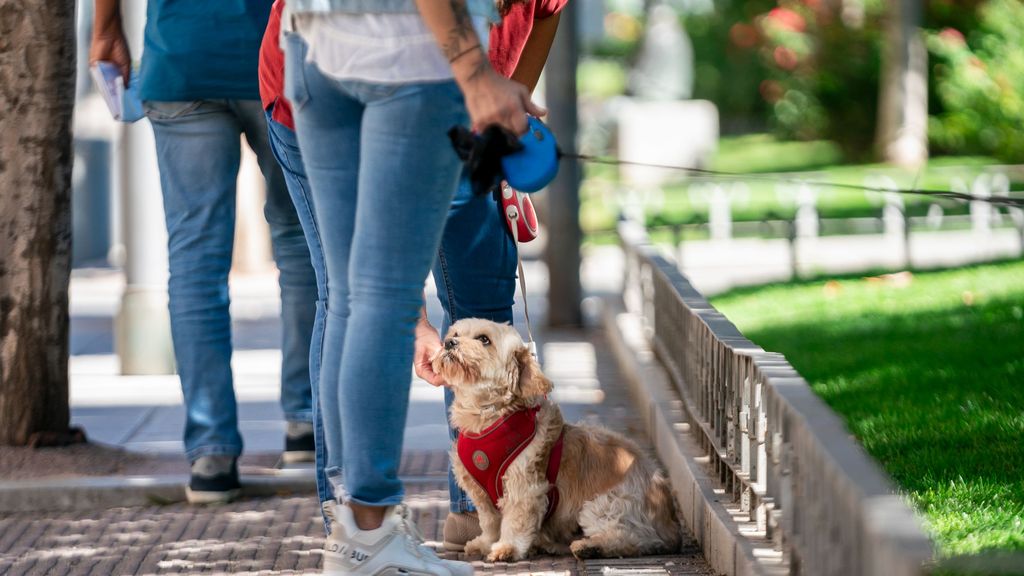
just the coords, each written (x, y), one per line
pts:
(613, 500)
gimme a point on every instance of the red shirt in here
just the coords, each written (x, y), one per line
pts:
(506, 46)
(272, 69)
(508, 38)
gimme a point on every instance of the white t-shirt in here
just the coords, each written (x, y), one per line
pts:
(378, 48)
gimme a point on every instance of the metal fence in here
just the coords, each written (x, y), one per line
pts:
(773, 444)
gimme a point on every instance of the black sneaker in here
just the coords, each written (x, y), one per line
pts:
(214, 480)
(299, 445)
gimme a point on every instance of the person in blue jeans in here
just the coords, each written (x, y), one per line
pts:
(285, 147)
(476, 264)
(199, 88)
(475, 270)
(382, 176)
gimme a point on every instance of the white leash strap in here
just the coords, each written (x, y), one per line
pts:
(512, 212)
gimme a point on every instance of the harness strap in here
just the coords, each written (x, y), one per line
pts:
(554, 463)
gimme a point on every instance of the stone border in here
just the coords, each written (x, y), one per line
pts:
(93, 492)
(728, 539)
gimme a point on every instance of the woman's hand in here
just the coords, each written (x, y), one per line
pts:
(492, 98)
(428, 343)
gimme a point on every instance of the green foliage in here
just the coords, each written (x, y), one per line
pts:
(979, 82)
(805, 66)
(926, 371)
(727, 69)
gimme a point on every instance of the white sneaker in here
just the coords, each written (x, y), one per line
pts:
(394, 549)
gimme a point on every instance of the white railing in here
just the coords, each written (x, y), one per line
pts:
(775, 446)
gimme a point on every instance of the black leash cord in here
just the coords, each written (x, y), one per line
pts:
(949, 194)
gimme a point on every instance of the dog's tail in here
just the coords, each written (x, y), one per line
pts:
(661, 508)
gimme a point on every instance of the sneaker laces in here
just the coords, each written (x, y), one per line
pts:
(416, 542)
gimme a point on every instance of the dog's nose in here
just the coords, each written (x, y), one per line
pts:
(450, 343)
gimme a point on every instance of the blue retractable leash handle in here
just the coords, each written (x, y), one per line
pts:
(528, 162)
(536, 165)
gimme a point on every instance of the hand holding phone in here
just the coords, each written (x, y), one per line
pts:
(123, 102)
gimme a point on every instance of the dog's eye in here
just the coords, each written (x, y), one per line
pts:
(484, 340)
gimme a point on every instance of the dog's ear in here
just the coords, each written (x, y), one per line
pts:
(532, 382)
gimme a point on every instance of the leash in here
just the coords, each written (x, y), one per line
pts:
(512, 212)
(530, 162)
(948, 194)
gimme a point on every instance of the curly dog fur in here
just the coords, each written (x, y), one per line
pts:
(614, 501)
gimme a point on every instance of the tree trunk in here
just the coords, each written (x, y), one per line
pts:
(562, 253)
(37, 84)
(902, 131)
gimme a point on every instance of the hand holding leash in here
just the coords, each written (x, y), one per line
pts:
(528, 162)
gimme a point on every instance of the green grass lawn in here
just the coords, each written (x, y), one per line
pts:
(928, 375)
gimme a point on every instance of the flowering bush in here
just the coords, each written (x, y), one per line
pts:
(805, 66)
(823, 71)
(979, 84)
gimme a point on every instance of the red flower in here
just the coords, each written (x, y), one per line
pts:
(743, 35)
(785, 58)
(952, 36)
(786, 18)
(771, 91)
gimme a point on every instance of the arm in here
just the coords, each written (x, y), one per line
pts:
(108, 41)
(490, 99)
(535, 52)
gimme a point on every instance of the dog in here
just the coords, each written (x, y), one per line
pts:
(609, 499)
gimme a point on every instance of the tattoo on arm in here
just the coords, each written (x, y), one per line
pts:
(460, 32)
(478, 70)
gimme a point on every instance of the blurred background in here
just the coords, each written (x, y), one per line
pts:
(896, 93)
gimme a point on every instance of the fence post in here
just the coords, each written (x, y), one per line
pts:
(720, 213)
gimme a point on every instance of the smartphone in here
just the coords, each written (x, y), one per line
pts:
(124, 103)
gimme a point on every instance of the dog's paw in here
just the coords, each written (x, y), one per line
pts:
(503, 552)
(478, 546)
(584, 549)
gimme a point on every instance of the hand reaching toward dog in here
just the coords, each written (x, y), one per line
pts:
(428, 344)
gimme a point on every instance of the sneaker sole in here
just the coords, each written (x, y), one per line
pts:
(296, 456)
(211, 497)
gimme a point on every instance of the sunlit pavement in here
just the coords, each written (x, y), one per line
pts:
(280, 534)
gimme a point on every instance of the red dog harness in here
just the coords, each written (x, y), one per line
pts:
(488, 454)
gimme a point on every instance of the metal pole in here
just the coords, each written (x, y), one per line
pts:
(142, 332)
(564, 236)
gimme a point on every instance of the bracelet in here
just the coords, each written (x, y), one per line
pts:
(463, 53)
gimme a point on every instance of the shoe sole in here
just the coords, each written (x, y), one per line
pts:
(297, 456)
(211, 497)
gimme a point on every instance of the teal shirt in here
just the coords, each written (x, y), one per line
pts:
(202, 49)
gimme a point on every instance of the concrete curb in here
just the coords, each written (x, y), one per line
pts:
(729, 541)
(89, 493)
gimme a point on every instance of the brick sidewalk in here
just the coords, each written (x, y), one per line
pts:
(264, 536)
(284, 534)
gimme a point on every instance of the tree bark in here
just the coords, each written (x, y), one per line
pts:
(37, 83)
(562, 253)
(902, 131)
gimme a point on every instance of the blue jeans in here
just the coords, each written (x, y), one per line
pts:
(286, 149)
(382, 177)
(198, 153)
(475, 275)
